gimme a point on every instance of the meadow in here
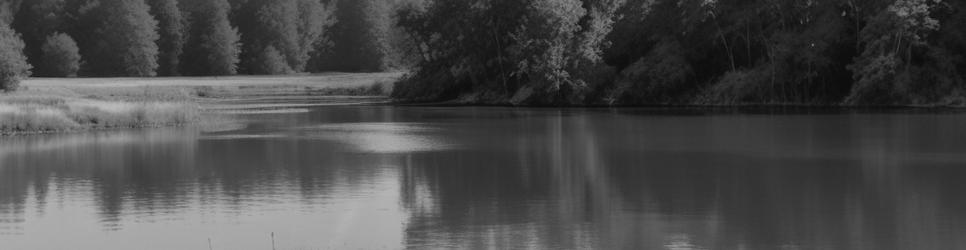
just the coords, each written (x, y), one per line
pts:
(45, 105)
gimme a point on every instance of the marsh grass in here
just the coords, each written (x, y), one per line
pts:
(45, 105)
(42, 114)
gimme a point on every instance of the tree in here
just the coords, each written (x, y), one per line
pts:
(13, 63)
(60, 56)
(264, 24)
(271, 62)
(535, 51)
(292, 27)
(212, 47)
(315, 21)
(125, 40)
(171, 29)
(36, 21)
(544, 45)
(360, 38)
(899, 56)
(8, 9)
(463, 49)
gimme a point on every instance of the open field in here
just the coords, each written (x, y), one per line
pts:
(67, 104)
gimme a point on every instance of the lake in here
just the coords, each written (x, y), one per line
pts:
(384, 177)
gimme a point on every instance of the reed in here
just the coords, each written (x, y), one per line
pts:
(42, 114)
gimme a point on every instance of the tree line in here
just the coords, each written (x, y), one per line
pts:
(144, 38)
(537, 52)
(641, 52)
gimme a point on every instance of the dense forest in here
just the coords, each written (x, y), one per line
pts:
(145, 38)
(519, 52)
(658, 52)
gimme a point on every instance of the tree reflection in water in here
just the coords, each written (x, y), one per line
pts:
(390, 177)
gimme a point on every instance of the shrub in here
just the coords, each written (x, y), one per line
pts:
(739, 87)
(271, 62)
(658, 77)
(61, 57)
(13, 63)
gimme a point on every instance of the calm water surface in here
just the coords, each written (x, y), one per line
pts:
(378, 177)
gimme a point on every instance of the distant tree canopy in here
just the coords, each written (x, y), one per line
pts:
(211, 37)
(8, 10)
(175, 37)
(171, 28)
(125, 40)
(687, 51)
(212, 47)
(289, 28)
(366, 37)
(60, 56)
(13, 63)
(360, 36)
(36, 20)
(524, 51)
(541, 52)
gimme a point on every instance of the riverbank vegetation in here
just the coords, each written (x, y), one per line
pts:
(143, 39)
(44, 105)
(140, 38)
(704, 52)
(518, 52)
(26, 113)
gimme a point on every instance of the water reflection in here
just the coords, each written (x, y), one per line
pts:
(385, 177)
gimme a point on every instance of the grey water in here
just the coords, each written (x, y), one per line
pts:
(385, 177)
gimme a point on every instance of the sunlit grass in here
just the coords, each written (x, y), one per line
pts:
(69, 104)
(42, 113)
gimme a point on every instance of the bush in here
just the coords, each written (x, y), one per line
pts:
(13, 63)
(271, 62)
(659, 77)
(60, 56)
(740, 87)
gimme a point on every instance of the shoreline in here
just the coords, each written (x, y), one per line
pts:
(747, 105)
(98, 104)
(67, 105)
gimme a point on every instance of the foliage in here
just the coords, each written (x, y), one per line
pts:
(315, 21)
(901, 62)
(739, 87)
(124, 43)
(36, 20)
(360, 37)
(8, 10)
(291, 27)
(38, 114)
(212, 46)
(270, 62)
(537, 51)
(13, 63)
(658, 77)
(60, 56)
(171, 28)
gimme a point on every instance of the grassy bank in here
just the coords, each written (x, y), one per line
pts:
(33, 113)
(45, 105)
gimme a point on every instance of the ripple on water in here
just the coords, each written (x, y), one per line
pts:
(380, 137)
(243, 136)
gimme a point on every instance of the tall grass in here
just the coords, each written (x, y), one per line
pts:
(39, 114)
